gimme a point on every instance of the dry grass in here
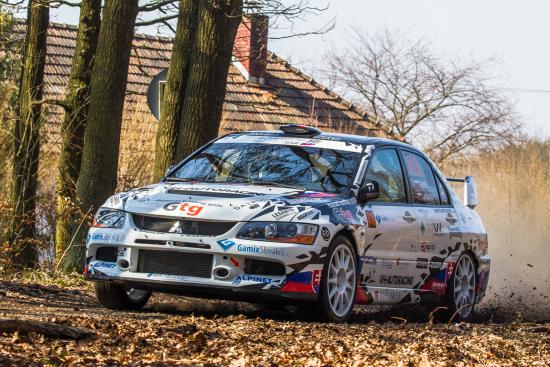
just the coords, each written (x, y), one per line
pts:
(514, 193)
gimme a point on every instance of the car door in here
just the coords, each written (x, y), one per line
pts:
(392, 226)
(438, 220)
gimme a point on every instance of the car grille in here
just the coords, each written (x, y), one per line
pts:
(183, 226)
(175, 263)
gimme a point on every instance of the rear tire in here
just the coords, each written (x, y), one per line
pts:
(461, 293)
(116, 297)
(338, 281)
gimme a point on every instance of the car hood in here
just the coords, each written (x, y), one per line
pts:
(234, 202)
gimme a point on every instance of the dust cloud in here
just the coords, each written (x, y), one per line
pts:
(514, 195)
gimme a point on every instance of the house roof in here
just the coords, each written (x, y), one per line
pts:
(288, 95)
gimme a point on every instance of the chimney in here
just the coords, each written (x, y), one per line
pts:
(250, 49)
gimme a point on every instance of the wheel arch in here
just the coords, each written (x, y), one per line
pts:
(350, 235)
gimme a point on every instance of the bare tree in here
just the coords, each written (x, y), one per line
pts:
(445, 107)
(98, 172)
(201, 54)
(74, 122)
(174, 96)
(26, 143)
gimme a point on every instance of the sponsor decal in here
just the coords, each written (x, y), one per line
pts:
(225, 244)
(379, 219)
(283, 213)
(316, 280)
(435, 264)
(314, 194)
(222, 190)
(251, 278)
(436, 283)
(102, 264)
(388, 296)
(304, 214)
(422, 263)
(396, 279)
(437, 227)
(303, 282)
(340, 203)
(427, 247)
(121, 251)
(106, 237)
(186, 208)
(388, 264)
(325, 233)
(371, 219)
(262, 250)
(343, 214)
(167, 276)
(369, 260)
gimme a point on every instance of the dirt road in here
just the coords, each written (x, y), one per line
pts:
(185, 331)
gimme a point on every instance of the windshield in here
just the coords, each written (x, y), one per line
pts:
(306, 168)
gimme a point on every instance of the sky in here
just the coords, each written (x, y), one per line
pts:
(510, 31)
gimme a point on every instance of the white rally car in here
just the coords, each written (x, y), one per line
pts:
(324, 221)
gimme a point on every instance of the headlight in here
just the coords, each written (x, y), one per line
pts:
(279, 232)
(109, 218)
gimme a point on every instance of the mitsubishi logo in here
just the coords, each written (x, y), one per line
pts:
(176, 228)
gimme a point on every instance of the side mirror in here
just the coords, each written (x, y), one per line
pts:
(470, 192)
(369, 191)
(169, 169)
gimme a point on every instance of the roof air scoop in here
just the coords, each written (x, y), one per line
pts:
(295, 129)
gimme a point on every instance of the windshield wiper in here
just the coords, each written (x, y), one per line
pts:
(181, 179)
(240, 179)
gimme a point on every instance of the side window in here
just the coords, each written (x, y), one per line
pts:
(385, 168)
(442, 193)
(422, 180)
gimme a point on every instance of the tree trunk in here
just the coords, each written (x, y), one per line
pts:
(26, 135)
(218, 21)
(74, 123)
(174, 92)
(98, 173)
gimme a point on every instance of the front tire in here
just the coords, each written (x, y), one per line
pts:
(116, 297)
(461, 294)
(339, 280)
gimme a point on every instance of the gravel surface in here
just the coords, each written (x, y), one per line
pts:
(186, 331)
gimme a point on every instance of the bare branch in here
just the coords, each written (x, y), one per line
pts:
(447, 108)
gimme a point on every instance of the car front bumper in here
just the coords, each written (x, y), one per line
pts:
(190, 265)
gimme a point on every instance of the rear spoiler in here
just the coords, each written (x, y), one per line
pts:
(470, 191)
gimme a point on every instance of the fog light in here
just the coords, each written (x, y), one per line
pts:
(123, 264)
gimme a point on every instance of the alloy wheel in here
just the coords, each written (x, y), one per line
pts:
(341, 280)
(464, 286)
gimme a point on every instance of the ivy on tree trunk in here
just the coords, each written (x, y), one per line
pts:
(98, 173)
(26, 141)
(74, 123)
